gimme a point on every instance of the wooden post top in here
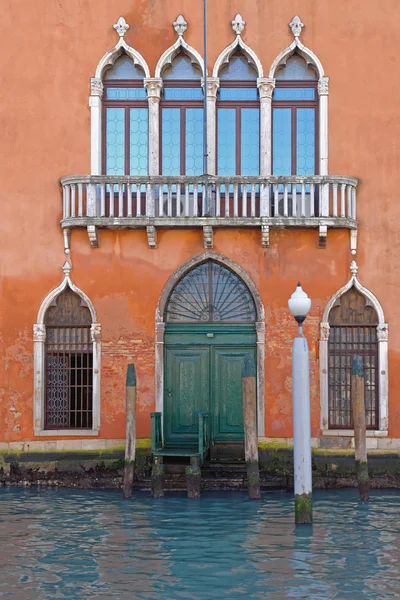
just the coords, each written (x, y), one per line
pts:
(131, 376)
(357, 367)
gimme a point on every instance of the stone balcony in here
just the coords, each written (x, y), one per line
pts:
(150, 202)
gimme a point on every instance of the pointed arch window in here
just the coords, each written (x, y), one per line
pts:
(181, 118)
(353, 331)
(125, 119)
(210, 293)
(238, 118)
(295, 119)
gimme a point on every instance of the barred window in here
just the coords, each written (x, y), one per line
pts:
(352, 331)
(69, 364)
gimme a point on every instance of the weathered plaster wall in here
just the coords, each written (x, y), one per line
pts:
(48, 53)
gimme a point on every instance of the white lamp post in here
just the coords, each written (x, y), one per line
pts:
(299, 305)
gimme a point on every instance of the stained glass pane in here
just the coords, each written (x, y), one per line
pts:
(183, 93)
(250, 141)
(238, 68)
(132, 93)
(226, 141)
(182, 68)
(305, 151)
(139, 135)
(171, 141)
(238, 93)
(210, 293)
(296, 68)
(194, 141)
(281, 93)
(282, 141)
(124, 69)
(115, 141)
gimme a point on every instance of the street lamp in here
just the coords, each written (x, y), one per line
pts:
(299, 305)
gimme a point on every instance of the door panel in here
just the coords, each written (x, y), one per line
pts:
(227, 400)
(186, 393)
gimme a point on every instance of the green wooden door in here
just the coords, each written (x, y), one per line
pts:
(203, 372)
(226, 392)
(186, 392)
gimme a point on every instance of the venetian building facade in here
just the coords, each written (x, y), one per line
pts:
(122, 243)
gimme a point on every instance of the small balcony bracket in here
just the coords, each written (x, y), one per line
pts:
(322, 235)
(67, 240)
(93, 238)
(208, 236)
(264, 234)
(151, 236)
(353, 241)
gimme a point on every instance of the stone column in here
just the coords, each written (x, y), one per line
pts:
(211, 98)
(96, 95)
(95, 336)
(265, 88)
(159, 367)
(39, 341)
(153, 87)
(383, 340)
(323, 91)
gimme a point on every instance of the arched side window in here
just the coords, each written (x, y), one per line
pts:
(125, 119)
(66, 363)
(238, 118)
(353, 324)
(181, 129)
(295, 119)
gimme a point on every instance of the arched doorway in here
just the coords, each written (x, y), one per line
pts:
(210, 326)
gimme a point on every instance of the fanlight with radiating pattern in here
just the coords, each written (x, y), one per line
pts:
(210, 293)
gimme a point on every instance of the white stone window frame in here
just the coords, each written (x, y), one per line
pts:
(382, 340)
(39, 365)
(323, 87)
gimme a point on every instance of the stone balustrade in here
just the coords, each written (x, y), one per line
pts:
(98, 201)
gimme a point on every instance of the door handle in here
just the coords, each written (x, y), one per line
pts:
(169, 392)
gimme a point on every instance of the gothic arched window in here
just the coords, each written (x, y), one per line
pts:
(125, 119)
(352, 331)
(68, 402)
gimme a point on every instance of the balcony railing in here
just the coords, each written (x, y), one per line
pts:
(149, 202)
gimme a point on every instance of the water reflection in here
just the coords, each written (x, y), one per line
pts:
(71, 544)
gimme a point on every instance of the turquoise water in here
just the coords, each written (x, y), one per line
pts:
(92, 544)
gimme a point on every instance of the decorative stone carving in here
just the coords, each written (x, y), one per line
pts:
(212, 86)
(382, 332)
(39, 333)
(353, 269)
(324, 329)
(238, 24)
(180, 25)
(67, 269)
(296, 26)
(95, 332)
(96, 87)
(208, 236)
(264, 234)
(266, 87)
(92, 233)
(121, 27)
(151, 236)
(153, 87)
(323, 86)
(353, 241)
(323, 232)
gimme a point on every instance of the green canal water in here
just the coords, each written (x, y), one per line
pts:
(92, 544)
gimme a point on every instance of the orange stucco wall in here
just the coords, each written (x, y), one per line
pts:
(49, 52)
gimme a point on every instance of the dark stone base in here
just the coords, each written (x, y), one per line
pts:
(157, 479)
(193, 479)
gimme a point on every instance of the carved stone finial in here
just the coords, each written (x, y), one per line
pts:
(66, 268)
(180, 25)
(353, 268)
(238, 24)
(121, 27)
(296, 26)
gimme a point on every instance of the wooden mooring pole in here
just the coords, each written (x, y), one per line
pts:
(360, 438)
(250, 427)
(130, 447)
